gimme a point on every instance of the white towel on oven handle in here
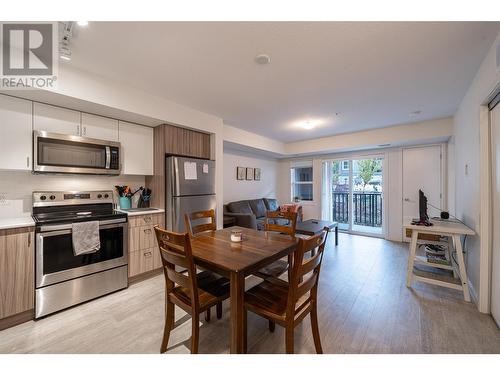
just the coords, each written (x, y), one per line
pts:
(85, 236)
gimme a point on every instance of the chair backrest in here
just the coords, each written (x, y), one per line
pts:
(193, 229)
(175, 250)
(270, 222)
(305, 273)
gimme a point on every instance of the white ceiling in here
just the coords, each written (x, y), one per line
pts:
(374, 74)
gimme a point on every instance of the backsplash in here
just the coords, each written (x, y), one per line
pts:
(16, 188)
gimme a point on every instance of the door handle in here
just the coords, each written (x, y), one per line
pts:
(148, 254)
(407, 199)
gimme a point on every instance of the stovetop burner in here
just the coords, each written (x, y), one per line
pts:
(71, 207)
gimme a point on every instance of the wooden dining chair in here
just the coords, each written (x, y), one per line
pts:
(271, 224)
(192, 291)
(287, 304)
(194, 229)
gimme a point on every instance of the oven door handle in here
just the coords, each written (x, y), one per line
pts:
(102, 225)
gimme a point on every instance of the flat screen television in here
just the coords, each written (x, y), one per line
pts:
(422, 207)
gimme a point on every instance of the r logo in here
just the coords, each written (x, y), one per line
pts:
(27, 49)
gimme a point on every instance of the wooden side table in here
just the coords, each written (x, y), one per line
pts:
(446, 228)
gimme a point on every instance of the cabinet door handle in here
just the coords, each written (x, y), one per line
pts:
(78, 130)
(27, 161)
(148, 254)
(29, 240)
(148, 231)
(147, 219)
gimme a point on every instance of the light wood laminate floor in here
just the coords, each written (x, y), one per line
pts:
(364, 307)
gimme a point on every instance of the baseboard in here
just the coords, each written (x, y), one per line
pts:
(14, 320)
(144, 276)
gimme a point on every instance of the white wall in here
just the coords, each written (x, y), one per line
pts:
(407, 134)
(17, 186)
(467, 152)
(235, 190)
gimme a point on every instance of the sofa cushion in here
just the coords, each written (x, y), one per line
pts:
(271, 204)
(258, 207)
(241, 207)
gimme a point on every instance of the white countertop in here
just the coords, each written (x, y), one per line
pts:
(16, 222)
(138, 213)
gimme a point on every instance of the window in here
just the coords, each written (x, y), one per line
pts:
(345, 165)
(302, 183)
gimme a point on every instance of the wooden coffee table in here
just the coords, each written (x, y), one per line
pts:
(312, 226)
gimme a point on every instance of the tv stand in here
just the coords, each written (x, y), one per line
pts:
(451, 229)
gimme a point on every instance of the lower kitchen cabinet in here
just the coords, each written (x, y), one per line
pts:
(17, 268)
(144, 255)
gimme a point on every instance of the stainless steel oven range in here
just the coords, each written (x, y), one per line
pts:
(61, 278)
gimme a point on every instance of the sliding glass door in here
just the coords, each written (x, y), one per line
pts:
(353, 194)
(366, 186)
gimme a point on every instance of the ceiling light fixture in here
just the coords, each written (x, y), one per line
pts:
(82, 23)
(308, 125)
(64, 51)
(262, 59)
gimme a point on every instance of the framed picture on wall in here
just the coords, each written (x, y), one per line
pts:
(249, 174)
(256, 174)
(240, 173)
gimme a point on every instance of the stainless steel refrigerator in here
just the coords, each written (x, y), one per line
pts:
(190, 187)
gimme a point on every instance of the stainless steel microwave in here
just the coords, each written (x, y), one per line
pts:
(62, 153)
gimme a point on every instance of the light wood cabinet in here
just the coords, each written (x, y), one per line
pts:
(99, 127)
(56, 119)
(17, 267)
(15, 133)
(137, 149)
(172, 140)
(144, 255)
(186, 142)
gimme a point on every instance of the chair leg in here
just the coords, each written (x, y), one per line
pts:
(289, 338)
(169, 324)
(219, 310)
(245, 338)
(315, 329)
(272, 326)
(207, 314)
(195, 334)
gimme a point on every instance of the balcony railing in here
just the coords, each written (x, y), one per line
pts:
(367, 208)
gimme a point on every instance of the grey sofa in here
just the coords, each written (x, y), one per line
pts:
(251, 213)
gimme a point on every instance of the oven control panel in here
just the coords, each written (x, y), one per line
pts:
(55, 198)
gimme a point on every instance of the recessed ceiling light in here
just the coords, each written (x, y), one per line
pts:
(82, 23)
(415, 113)
(262, 59)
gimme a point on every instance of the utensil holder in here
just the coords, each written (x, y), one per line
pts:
(125, 203)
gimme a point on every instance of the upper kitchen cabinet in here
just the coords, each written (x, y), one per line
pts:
(137, 149)
(15, 133)
(56, 119)
(186, 142)
(99, 127)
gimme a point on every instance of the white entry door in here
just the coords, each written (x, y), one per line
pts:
(421, 170)
(495, 189)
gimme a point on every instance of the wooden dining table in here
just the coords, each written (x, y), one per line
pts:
(216, 252)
